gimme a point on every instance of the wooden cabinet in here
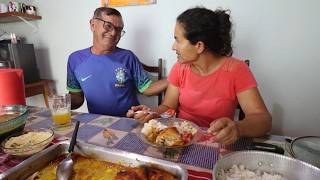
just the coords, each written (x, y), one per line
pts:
(16, 16)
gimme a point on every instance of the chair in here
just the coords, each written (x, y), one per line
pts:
(158, 71)
(241, 113)
(40, 87)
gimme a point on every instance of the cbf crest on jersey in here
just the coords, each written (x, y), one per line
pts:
(120, 77)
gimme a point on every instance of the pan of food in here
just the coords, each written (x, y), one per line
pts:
(95, 162)
(263, 165)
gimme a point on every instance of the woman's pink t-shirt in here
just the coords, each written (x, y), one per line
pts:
(202, 99)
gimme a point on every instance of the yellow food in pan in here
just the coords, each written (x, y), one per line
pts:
(87, 168)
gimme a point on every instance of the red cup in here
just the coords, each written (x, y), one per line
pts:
(12, 87)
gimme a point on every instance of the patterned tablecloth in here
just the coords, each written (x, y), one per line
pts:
(121, 133)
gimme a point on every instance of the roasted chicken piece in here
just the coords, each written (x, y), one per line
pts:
(153, 134)
(143, 173)
(169, 137)
(131, 174)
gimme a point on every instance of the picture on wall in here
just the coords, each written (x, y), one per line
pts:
(114, 3)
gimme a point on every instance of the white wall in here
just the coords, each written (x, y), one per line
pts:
(279, 37)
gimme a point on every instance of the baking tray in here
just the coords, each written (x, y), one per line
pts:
(43, 158)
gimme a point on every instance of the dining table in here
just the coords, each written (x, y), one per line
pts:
(122, 133)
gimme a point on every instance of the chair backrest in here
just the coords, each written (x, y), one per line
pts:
(241, 113)
(158, 70)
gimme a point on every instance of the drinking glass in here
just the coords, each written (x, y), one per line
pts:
(60, 107)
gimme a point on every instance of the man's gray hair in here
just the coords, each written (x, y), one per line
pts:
(107, 11)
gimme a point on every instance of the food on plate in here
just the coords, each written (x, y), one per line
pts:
(151, 129)
(168, 133)
(28, 139)
(7, 117)
(169, 137)
(241, 172)
(88, 168)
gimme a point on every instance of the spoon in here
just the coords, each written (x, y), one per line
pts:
(65, 167)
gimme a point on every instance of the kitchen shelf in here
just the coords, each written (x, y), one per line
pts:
(14, 17)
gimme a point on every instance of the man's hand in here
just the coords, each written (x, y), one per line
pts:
(143, 115)
(225, 131)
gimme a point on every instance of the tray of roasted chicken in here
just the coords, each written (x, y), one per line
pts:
(95, 162)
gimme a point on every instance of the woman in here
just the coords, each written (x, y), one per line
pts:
(206, 83)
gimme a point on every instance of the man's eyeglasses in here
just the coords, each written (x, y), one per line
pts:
(108, 26)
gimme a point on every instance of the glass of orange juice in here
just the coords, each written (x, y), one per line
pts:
(60, 107)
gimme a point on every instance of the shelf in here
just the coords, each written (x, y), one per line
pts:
(14, 17)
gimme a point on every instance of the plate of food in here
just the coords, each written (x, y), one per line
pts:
(169, 132)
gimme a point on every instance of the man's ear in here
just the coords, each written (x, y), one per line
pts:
(200, 47)
(91, 24)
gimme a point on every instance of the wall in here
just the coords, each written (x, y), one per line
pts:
(279, 37)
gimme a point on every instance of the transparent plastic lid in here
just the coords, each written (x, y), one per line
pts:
(307, 149)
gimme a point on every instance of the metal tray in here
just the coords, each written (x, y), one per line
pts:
(43, 158)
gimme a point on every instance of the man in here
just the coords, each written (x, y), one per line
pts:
(108, 76)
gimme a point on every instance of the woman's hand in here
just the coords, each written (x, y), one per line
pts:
(143, 115)
(225, 131)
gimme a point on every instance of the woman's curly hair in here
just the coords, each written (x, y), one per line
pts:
(213, 28)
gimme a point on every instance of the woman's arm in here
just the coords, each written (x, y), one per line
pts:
(257, 120)
(171, 100)
(156, 87)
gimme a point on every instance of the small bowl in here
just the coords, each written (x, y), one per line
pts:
(29, 149)
(16, 116)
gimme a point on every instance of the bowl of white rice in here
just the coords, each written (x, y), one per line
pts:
(259, 165)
